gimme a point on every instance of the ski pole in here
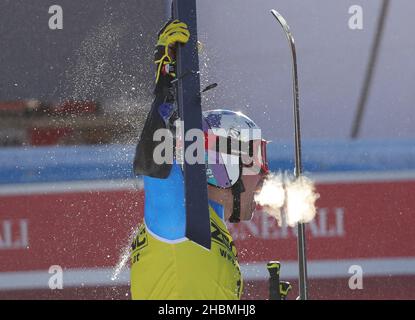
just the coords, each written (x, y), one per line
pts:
(301, 245)
(278, 290)
(274, 280)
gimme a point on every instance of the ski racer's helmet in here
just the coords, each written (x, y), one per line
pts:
(234, 147)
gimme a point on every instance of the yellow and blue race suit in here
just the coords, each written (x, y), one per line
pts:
(166, 265)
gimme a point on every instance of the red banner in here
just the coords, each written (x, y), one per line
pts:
(74, 230)
(357, 220)
(89, 229)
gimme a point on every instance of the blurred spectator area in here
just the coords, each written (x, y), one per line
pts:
(38, 123)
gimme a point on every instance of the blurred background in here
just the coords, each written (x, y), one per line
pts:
(73, 102)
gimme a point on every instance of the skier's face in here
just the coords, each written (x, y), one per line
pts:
(252, 184)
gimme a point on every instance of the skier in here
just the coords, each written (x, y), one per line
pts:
(164, 263)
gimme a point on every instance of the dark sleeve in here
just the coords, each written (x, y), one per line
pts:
(143, 160)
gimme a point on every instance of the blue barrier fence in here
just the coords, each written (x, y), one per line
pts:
(62, 163)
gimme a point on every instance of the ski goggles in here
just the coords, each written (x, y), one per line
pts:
(229, 158)
(256, 159)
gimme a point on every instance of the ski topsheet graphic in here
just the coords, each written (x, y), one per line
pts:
(189, 104)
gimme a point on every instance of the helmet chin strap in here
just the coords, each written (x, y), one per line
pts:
(237, 189)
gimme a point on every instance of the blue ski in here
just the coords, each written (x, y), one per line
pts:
(190, 111)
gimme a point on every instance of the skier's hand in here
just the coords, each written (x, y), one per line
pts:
(173, 32)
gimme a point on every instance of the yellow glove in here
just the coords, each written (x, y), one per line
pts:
(173, 32)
